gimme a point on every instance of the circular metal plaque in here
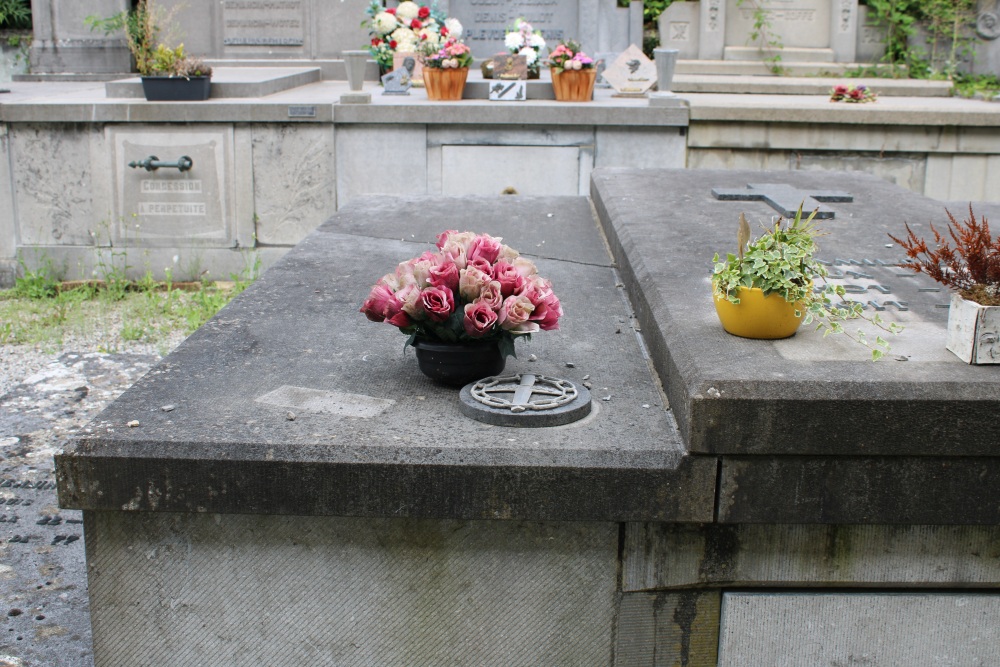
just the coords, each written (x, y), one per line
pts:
(524, 400)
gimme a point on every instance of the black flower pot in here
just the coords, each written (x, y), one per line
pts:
(176, 88)
(457, 364)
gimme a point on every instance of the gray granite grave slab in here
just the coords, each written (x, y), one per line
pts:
(233, 82)
(230, 446)
(805, 394)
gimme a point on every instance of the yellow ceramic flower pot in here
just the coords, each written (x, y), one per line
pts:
(758, 316)
(445, 84)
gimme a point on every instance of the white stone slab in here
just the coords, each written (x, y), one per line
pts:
(530, 170)
(794, 629)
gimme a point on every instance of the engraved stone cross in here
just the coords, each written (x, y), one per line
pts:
(785, 198)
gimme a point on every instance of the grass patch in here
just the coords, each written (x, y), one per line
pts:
(45, 312)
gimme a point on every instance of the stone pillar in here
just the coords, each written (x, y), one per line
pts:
(712, 40)
(844, 30)
(64, 43)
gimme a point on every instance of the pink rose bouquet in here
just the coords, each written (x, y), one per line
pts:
(474, 288)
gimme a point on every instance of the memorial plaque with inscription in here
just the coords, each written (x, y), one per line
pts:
(487, 21)
(800, 23)
(631, 74)
(263, 23)
(168, 207)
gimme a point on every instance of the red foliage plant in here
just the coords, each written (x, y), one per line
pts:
(971, 267)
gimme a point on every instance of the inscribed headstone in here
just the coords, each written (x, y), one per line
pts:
(799, 23)
(263, 23)
(487, 21)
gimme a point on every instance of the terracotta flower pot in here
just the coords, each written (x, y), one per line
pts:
(445, 84)
(574, 85)
(758, 316)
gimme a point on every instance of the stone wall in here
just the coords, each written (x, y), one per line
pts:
(262, 186)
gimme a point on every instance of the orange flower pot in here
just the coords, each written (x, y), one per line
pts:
(574, 85)
(445, 84)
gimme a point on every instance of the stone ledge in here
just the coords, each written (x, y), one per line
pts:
(233, 82)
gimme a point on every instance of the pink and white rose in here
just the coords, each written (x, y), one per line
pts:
(479, 318)
(438, 303)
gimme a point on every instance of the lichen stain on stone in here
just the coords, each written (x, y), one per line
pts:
(722, 545)
(838, 550)
(685, 613)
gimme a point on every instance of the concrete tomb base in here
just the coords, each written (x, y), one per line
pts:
(311, 498)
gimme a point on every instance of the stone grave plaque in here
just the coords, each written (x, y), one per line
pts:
(263, 23)
(631, 74)
(510, 66)
(509, 91)
(400, 79)
(416, 68)
(486, 21)
(167, 207)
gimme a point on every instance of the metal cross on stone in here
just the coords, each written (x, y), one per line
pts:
(785, 198)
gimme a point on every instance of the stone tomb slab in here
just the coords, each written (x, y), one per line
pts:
(806, 395)
(859, 629)
(296, 338)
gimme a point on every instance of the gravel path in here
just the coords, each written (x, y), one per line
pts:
(45, 398)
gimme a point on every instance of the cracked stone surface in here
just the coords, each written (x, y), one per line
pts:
(43, 585)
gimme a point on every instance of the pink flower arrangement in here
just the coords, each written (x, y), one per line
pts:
(473, 288)
(856, 94)
(452, 54)
(568, 56)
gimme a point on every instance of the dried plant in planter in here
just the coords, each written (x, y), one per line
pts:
(971, 267)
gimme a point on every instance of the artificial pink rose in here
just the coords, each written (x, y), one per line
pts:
(507, 254)
(516, 310)
(479, 318)
(438, 303)
(481, 264)
(547, 313)
(471, 282)
(444, 274)
(443, 237)
(383, 306)
(409, 297)
(378, 302)
(456, 253)
(491, 295)
(525, 267)
(484, 247)
(422, 270)
(507, 275)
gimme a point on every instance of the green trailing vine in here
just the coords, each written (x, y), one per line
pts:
(763, 34)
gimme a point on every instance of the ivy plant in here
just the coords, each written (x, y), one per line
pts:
(783, 261)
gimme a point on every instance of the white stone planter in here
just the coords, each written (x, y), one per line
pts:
(974, 331)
